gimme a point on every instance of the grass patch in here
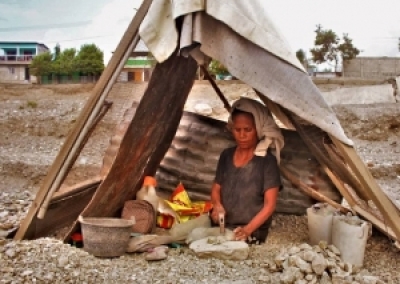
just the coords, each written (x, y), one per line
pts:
(32, 104)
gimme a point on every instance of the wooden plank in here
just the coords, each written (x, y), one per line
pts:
(69, 190)
(82, 121)
(147, 138)
(340, 186)
(358, 207)
(376, 222)
(310, 191)
(389, 211)
(64, 211)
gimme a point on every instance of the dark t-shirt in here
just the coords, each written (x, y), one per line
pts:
(243, 188)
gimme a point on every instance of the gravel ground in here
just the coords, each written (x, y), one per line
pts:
(36, 132)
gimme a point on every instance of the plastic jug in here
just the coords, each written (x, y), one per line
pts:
(349, 235)
(320, 223)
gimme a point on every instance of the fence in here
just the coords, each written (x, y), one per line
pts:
(372, 67)
(68, 79)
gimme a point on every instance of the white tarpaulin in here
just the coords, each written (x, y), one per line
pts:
(239, 35)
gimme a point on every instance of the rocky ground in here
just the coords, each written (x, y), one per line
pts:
(34, 122)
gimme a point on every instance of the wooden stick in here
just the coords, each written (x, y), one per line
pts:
(216, 88)
(340, 186)
(310, 191)
(128, 41)
(389, 211)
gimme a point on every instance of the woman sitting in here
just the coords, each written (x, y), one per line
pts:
(247, 179)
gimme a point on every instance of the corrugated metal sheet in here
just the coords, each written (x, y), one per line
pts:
(194, 152)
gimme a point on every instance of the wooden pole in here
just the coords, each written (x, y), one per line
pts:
(216, 88)
(147, 138)
(388, 210)
(95, 101)
(310, 191)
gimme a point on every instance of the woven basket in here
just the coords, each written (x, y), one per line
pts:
(144, 215)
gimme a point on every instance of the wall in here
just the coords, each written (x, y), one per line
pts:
(7, 75)
(372, 67)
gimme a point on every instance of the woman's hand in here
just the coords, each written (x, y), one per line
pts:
(242, 233)
(217, 209)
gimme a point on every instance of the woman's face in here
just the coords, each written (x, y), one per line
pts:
(244, 131)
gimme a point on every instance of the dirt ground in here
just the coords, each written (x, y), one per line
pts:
(35, 120)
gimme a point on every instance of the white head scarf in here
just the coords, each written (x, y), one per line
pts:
(268, 132)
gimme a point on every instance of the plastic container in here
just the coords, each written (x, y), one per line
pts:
(105, 237)
(350, 235)
(320, 223)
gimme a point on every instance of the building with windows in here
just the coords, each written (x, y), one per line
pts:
(15, 58)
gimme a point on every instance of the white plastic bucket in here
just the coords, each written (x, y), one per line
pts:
(349, 235)
(320, 223)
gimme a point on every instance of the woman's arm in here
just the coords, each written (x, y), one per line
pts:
(270, 197)
(216, 201)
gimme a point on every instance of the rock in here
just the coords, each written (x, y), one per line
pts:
(293, 250)
(140, 243)
(26, 273)
(323, 245)
(202, 233)
(264, 279)
(369, 280)
(334, 249)
(62, 261)
(319, 264)
(309, 277)
(3, 214)
(305, 246)
(289, 275)
(325, 279)
(280, 258)
(338, 279)
(10, 253)
(233, 250)
(300, 263)
(203, 109)
(3, 234)
(157, 253)
(309, 255)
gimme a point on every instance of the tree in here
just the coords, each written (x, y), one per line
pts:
(65, 63)
(57, 51)
(347, 48)
(41, 65)
(329, 47)
(217, 68)
(301, 56)
(89, 60)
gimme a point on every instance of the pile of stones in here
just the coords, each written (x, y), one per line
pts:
(318, 264)
(13, 208)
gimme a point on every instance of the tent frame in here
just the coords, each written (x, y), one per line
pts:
(47, 194)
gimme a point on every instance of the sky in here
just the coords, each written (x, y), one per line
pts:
(374, 25)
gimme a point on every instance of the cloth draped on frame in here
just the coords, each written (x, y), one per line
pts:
(268, 132)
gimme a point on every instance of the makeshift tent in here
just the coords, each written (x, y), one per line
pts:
(182, 35)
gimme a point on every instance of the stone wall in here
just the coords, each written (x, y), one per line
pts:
(372, 67)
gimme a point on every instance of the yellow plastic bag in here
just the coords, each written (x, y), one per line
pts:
(186, 209)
